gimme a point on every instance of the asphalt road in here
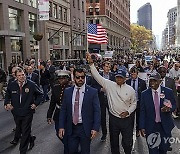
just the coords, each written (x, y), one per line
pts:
(47, 142)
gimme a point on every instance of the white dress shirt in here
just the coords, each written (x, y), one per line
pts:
(81, 97)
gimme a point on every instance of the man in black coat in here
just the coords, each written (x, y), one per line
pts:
(103, 97)
(139, 86)
(56, 101)
(22, 98)
(170, 83)
(32, 75)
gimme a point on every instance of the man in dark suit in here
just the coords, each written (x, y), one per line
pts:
(32, 75)
(56, 101)
(51, 69)
(22, 97)
(155, 122)
(138, 85)
(168, 82)
(80, 114)
(103, 96)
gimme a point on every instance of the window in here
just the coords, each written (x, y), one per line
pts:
(78, 4)
(65, 15)
(14, 19)
(50, 9)
(91, 1)
(66, 38)
(97, 1)
(90, 11)
(83, 24)
(55, 11)
(20, 1)
(74, 22)
(97, 11)
(91, 21)
(97, 21)
(74, 3)
(60, 38)
(60, 13)
(82, 6)
(32, 3)
(32, 23)
(79, 22)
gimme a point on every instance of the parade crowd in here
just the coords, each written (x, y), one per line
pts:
(137, 92)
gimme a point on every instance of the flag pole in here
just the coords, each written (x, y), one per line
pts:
(87, 39)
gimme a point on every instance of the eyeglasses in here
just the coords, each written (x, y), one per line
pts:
(78, 77)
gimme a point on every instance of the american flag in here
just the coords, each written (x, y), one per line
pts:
(97, 34)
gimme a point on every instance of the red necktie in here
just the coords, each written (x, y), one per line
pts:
(157, 107)
(76, 108)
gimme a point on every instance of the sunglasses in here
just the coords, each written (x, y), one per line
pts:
(78, 77)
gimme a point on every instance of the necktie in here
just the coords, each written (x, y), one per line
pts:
(134, 84)
(76, 108)
(20, 87)
(157, 107)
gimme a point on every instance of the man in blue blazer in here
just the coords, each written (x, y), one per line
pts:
(139, 86)
(79, 118)
(155, 122)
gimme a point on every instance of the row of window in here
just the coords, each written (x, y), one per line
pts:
(32, 3)
(92, 1)
(78, 4)
(15, 20)
(58, 12)
(92, 12)
(77, 23)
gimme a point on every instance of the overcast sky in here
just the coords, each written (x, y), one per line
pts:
(160, 9)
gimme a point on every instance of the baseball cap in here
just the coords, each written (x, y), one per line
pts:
(155, 76)
(121, 73)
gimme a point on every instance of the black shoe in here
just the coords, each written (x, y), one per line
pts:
(103, 138)
(14, 142)
(31, 143)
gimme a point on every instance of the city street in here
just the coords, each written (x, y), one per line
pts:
(47, 142)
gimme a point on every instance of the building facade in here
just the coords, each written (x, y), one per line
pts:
(178, 25)
(79, 28)
(55, 44)
(144, 14)
(114, 16)
(172, 18)
(17, 24)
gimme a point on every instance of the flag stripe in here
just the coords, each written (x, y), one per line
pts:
(97, 34)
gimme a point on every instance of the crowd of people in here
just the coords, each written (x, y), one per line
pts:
(83, 93)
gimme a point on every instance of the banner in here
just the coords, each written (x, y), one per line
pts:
(43, 9)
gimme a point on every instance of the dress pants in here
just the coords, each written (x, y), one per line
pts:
(78, 137)
(125, 127)
(25, 123)
(137, 115)
(162, 148)
(104, 107)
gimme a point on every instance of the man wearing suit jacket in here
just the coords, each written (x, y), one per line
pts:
(79, 116)
(155, 122)
(139, 86)
(22, 98)
(32, 75)
(170, 83)
(103, 96)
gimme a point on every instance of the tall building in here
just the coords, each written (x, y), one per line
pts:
(114, 16)
(164, 41)
(178, 25)
(78, 25)
(172, 17)
(145, 16)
